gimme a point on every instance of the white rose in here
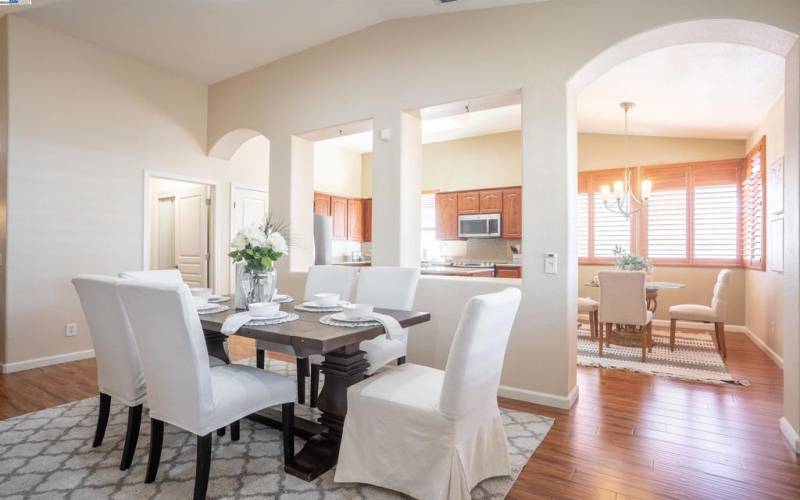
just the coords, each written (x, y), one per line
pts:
(277, 243)
(239, 241)
(255, 236)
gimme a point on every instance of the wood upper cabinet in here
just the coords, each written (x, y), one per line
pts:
(469, 202)
(368, 219)
(491, 202)
(355, 220)
(512, 213)
(322, 204)
(339, 214)
(447, 216)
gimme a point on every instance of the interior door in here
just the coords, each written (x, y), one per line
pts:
(249, 206)
(191, 236)
(166, 233)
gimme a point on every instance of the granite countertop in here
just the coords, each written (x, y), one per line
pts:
(507, 264)
(338, 262)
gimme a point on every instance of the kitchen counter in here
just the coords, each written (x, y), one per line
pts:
(358, 263)
(507, 264)
(454, 271)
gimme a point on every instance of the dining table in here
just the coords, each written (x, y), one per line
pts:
(344, 365)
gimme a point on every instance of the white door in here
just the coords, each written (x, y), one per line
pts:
(248, 206)
(191, 236)
(166, 233)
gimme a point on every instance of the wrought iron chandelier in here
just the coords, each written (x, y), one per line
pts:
(623, 200)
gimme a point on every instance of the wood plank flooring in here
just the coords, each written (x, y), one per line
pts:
(628, 436)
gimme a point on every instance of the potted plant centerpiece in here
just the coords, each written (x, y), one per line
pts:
(626, 261)
(255, 249)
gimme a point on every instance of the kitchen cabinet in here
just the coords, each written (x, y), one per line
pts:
(512, 214)
(469, 202)
(508, 271)
(447, 216)
(339, 215)
(368, 219)
(355, 220)
(490, 202)
(322, 204)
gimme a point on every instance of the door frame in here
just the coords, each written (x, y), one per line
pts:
(215, 221)
(232, 187)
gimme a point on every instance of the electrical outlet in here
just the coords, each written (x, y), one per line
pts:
(71, 330)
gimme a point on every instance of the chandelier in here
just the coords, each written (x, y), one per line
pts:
(623, 200)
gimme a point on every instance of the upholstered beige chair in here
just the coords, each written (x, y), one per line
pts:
(705, 314)
(623, 301)
(590, 307)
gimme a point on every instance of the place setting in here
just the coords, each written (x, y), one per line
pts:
(323, 303)
(206, 302)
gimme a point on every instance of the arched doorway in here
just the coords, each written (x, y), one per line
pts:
(785, 45)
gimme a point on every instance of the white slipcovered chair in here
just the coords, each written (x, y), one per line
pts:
(156, 276)
(590, 307)
(623, 301)
(430, 433)
(119, 370)
(705, 314)
(182, 389)
(320, 279)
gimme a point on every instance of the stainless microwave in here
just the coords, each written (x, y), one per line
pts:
(479, 226)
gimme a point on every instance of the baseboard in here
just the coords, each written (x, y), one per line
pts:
(540, 398)
(28, 364)
(764, 347)
(790, 434)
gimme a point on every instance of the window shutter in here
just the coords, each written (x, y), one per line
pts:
(428, 211)
(666, 225)
(611, 230)
(753, 207)
(716, 225)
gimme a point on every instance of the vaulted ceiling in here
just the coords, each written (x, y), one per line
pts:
(211, 40)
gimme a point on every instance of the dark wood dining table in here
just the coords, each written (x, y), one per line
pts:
(344, 366)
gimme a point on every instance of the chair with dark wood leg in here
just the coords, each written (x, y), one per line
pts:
(590, 307)
(623, 301)
(704, 314)
(182, 388)
(119, 371)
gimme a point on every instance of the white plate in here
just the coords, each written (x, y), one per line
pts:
(218, 298)
(277, 315)
(341, 317)
(313, 304)
(204, 307)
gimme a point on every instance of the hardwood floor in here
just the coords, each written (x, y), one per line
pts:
(628, 436)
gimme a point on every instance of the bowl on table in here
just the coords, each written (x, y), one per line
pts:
(326, 299)
(201, 292)
(357, 311)
(200, 300)
(263, 309)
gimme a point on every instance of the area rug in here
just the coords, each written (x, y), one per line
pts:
(48, 455)
(695, 357)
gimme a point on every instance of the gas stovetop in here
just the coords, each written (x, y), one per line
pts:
(479, 265)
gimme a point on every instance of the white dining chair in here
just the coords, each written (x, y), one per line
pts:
(387, 288)
(704, 314)
(182, 389)
(430, 433)
(156, 275)
(623, 301)
(119, 370)
(320, 279)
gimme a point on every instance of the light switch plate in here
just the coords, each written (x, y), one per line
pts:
(550, 263)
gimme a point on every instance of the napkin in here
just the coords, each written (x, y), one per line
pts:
(392, 326)
(234, 322)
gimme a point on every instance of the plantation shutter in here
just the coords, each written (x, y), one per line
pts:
(716, 213)
(666, 217)
(609, 230)
(752, 182)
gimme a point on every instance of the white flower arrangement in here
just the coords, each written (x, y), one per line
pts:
(259, 246)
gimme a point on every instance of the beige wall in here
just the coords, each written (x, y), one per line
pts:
(3, 175)
(484, 161)
(764, 289)
(78, 150)
(337, 171)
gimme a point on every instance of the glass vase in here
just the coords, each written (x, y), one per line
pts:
(259, 287)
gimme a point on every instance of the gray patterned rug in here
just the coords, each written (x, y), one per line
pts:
(48, 455)
(695, 357)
